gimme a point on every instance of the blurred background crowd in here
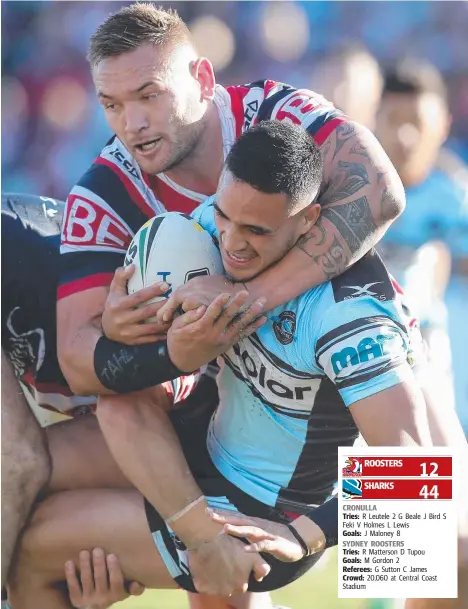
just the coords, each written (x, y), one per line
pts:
(53, 125)
(401, 68)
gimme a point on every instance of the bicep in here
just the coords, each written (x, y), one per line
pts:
(361, 195)
(394, 417)
(360, 183)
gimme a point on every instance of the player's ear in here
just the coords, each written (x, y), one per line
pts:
(202, 70)
(310, 217)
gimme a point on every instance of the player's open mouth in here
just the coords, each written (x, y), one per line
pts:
(148, 146)
(237, 260)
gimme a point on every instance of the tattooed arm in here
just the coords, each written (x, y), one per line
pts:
(361, 196)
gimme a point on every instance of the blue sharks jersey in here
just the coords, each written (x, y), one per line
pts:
(437, 209)
(284, 391)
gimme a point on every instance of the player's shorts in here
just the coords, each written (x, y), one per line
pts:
(191, 424)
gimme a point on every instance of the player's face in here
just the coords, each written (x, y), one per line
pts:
(412, 128)
(155, 101)
(256, 229)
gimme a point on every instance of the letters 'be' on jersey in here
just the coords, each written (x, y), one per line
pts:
(114, 198)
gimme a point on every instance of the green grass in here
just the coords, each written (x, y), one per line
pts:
(315, 590)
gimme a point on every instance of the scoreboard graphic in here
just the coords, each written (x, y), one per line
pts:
(397, 517)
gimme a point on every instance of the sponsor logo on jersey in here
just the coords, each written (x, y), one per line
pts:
(251, 110)
(284, 327)
(120, 158)
(251, 103)
(362, 290)
(368, 277)
(298, 107)
(90, 221)
(369, 348)
(275, 384)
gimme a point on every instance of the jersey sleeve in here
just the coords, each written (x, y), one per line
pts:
(204, 214)
(267, 99)
(367, 354)
(100, 219)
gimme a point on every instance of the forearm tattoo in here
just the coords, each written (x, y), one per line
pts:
(360, 195)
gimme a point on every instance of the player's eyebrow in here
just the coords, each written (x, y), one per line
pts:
(259, 229)
(139, 90)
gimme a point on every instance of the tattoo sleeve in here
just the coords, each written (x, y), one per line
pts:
(360, 197)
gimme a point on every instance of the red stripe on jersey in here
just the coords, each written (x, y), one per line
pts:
(397, 287)
(130, 187)
(28, 379)
(86, 283)
(57, 388)
(291, 515)
(269, 85)
(328, 128)
(169, 389)
(146, 178)
(54, 388)
(171, 198)
(237, 95)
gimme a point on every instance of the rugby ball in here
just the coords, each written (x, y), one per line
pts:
(171, 247)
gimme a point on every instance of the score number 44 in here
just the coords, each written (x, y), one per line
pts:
(426, 492)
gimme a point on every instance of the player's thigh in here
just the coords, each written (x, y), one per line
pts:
(80, 457)
(24, 449)
(113, 519)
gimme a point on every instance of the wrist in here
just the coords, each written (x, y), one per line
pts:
(300, 540)
(196, 527)
(124, 368)
(311, 533)
(182, 366)
(234, 287)
(256, 289)
(325, 517)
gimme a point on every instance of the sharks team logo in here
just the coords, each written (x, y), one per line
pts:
(351, 488)
(353, 467)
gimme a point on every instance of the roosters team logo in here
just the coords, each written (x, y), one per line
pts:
(353, 467)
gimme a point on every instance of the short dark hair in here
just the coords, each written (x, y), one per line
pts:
(415, 77)
(278, 157)
(134, 25)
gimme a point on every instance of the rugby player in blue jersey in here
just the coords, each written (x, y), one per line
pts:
(338, 360)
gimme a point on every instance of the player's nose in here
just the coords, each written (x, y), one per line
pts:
(136, 118)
